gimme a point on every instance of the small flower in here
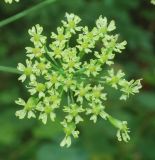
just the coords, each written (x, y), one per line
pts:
(130, 87)
(82, 92)
(35, 52)
(120, 46)
(29, 108)
(36, 87)
(41, 67)
(70, 53)
(113, 79)
(69, 83)
(69, 129)
(103, 26)
(57, 51)
(97, 109)
(36, 37)
(123, 130)
(97, 95)
(90, 36)
(45, 110)
(122, 133)
(111, 44)
(92, 68)
(54, 98)
(71, 24)
(73, 112)
(87, 40)
(71, 61)
(26, 70)
(54, 79)
(105, 57)
(61, 38)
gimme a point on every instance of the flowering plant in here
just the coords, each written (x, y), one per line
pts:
(60, 69)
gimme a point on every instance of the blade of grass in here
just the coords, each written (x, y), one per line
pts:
(9, 69)
(25, 12)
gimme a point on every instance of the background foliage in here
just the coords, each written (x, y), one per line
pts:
(30, 139)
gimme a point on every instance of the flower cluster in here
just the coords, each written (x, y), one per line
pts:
(60, 69)
(10, 1)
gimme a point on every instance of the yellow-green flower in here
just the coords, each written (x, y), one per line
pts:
(27, 71)
(97, 109)
(36, 36)
(123, 131)
(129, 87)
(72, 23)
(61, 37)
(92, 68)
(69, 129)
(45, 111)
(73, 113)
(29, 108)
(82, 92)
(35, 52)
(97, 94)
(36, 87)
(53, 79)
(114, 79)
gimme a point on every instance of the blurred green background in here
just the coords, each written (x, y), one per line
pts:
(30, 139)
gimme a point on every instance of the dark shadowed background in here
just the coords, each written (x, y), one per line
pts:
(30, 139)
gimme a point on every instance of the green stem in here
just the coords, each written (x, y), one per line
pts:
(58, 69)
(50, 56)
(9, 69)
(80, 70)
(82, 53)
(71, 94)
(54, 63)
(115, 122)
(68, 99)
(25, 12)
